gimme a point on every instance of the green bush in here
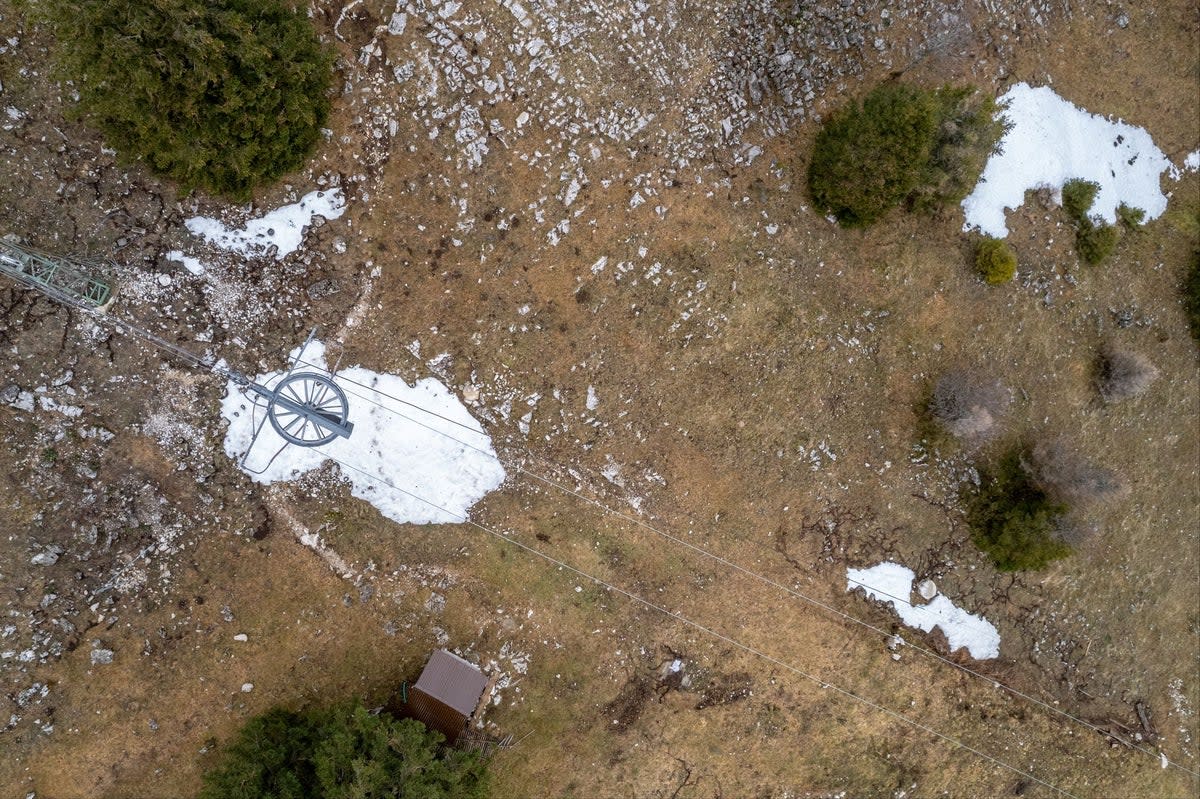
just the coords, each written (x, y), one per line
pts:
(1095, 240)
(969, 130)
(1132, 218)
(342, 753)
(901, 144)
(1013, 520)
(222, 95)
(996, 261)
(1077, 198)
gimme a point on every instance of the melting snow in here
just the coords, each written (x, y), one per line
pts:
(191, 264)
(891, 582)
(412, 456)
(283, 227)
(1053, 141)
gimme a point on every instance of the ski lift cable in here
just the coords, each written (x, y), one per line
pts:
(748, 648)
(923, 650)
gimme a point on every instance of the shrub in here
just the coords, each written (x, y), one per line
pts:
(1068, 477)
(969, 129)
(341, 753)
(1095, 240)
(216, 94)
(1131, 218)
(867, 158)
(967, 407)
(1013, 520)
(1124, 374)
(996, 261)
(901, 144)
(1077, 198)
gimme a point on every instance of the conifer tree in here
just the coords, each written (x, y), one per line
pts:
(222, 95)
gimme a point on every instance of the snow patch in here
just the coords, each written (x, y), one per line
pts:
(891, 582)
(452, 474)
(1053, 141)
(282, 228)
(191, 264)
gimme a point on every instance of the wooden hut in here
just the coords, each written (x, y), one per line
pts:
(446, 694)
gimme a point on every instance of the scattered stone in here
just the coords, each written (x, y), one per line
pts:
(47, 557)
(927, 589)
(322, 289)
(241, 637)
(247, 687)
(102, 657)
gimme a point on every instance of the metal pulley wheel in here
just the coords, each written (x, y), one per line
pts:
(309, 410)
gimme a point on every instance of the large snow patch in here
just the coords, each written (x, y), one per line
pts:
(891, 582)
(452, 474)
(283, 227)
(1053, 141)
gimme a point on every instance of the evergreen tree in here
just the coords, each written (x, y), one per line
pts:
(216, 94)
(1014, 520)
(345, 752)
(902, 144)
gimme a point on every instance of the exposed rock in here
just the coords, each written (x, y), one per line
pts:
(48, 556)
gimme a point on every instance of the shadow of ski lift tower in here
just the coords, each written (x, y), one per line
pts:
(305, 409)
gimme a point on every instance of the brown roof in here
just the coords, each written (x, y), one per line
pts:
(452, 681)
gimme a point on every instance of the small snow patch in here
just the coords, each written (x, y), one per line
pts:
(891, 582)
(191, 264)
(282, 228)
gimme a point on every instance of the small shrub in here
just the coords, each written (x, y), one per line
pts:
(902, 144)
(1191, 295)
(1077, 198)
(1013, 520)
(1071, 479)
(995, 261)
(342, 753)
(1124, 374)
(216, 94)
(1131, 218)
(1095, 240)
(967, 407)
